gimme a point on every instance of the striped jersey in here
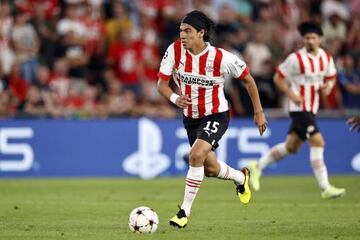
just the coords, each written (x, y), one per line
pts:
(306, 74)
(201, 76)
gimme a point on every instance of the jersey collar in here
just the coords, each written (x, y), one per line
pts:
(202, 52)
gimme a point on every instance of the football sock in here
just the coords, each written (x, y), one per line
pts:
(228, 173)
(276, 153)
(193, 181)
(319, 167)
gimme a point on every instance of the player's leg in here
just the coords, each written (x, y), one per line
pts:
(194, 178)
(281, 150)
(195, 174)
(317, 143)
(219, 169)
(290, 146)
(203, 135)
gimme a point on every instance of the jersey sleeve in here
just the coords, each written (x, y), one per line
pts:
(167, 63)
(289, 67)
(234, 66)
(330, 70)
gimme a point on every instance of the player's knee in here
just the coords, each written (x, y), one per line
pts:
(321, 143)
(292, 149)
(197, 156)
(317, 142)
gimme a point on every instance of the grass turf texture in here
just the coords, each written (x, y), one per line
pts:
(285, 208)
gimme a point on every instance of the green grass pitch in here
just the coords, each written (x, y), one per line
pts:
(285, 208)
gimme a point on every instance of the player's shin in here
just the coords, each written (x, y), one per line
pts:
(193, 181)
(276, 153)
(319, 167)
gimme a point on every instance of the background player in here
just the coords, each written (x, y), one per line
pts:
(309, 71)
(198, 69)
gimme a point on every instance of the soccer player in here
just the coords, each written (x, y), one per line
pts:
(309, 71)
(199, 70)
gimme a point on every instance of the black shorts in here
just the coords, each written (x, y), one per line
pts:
(303, 124)
(209, 128)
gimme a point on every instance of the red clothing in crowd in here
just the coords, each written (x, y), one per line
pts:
(150, 54)
(51, 7)
(126, 59)
(95, 29)
(18, 87)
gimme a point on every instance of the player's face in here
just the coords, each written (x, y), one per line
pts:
(189, 36)
(312, 41)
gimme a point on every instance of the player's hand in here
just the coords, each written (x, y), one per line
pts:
(260, 121)
(183, 101)
(355, 123)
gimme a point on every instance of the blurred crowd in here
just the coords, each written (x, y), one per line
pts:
(100, 58)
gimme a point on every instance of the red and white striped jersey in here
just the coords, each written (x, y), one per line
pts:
(306, 74)
(201, 76)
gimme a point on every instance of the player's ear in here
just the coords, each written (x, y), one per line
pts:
(202, 33)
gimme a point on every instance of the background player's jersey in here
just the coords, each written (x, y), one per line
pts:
(201, 76)
(306, 74)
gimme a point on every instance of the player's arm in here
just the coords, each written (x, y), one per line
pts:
(284, 87)
(164, 89)
(238, 69)
(259, 116)
(330, 78)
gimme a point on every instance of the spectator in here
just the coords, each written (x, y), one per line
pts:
(45, 26)
(60, 82)
(267, 91)
(33, 105)
(71, 23)
(43, 78)
(267, 24)
(119, 102)
(257, 52)
(350, 82)
(91, 102)
(124, 56)
(26, 45)
(18, 86)
(330, 7)
(150, 59)
(72, 45)
(95, 30)
(119, 23)
(335, 27)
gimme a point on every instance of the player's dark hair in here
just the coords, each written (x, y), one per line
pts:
(310, 27)
(199, 21)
